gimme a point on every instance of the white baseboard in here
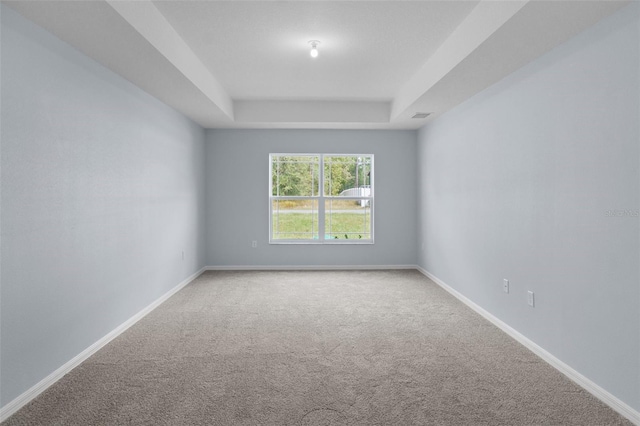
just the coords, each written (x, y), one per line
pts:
(591, 387)
(606, 397)
(305, 267)
(38, 388)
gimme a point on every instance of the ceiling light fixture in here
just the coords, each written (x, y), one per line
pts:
(314, 48)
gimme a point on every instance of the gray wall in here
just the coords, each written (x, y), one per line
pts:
(102, 189)
(238, 196)
(517, 183)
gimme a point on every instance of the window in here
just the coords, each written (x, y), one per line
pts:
(321, 199)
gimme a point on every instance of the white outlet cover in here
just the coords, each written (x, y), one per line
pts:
(505, 286)
(530, 299)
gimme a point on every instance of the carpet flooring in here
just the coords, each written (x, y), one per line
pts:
(314, 348)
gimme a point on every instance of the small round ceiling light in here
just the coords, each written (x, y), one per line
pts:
(314, 48)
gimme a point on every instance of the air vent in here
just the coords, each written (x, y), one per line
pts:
(421, 115)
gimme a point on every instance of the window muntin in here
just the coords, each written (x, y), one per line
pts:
(342, 213)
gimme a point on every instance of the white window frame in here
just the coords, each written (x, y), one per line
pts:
(321, 198)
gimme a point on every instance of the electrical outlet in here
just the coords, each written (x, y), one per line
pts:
(505, 285)
(254, 244)
(530, 299)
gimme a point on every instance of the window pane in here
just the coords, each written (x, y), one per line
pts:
(295, 219)
(295, 175)
(348, 176)
(347, 219)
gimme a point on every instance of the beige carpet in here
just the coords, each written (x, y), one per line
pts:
(314, 348)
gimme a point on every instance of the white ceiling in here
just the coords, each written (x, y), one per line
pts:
(260, 50)
(246, 64)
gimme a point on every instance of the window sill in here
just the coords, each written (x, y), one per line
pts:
(321, 243)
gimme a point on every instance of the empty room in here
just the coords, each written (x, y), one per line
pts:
(320, 212)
